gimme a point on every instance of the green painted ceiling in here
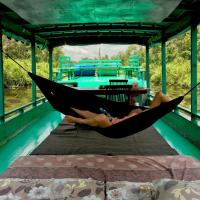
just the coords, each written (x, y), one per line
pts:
(92, 11)
(80, 22)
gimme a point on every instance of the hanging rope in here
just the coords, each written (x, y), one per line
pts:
(191, 89)
(14, 61)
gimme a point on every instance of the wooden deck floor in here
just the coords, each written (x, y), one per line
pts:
(65, 140)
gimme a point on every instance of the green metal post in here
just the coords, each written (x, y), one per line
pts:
(163, 54)
(147, 67)
(33, 71)
(50, 63)
(194, 71)
(1, 81)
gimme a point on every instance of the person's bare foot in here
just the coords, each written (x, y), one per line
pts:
(158, 94)
(158, 99)
(164, 98)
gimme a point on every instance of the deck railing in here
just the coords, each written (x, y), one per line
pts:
(184, 112)
(20, 110)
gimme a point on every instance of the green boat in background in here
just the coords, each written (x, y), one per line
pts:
(49, 24)
(94, 73)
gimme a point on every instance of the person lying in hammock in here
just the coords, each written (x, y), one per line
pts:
(105, 120)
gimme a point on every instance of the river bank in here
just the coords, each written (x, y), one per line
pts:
(18, 96)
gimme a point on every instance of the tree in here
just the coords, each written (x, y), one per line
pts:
(22, 51)
(17, 50)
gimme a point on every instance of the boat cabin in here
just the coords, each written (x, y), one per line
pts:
(37, 144)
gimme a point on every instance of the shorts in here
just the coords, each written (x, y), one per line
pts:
(105, 112)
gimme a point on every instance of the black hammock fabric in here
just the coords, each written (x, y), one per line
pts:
(62, 97)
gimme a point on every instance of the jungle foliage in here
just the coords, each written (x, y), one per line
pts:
(14, 76)
(177, 59)
(178, 54)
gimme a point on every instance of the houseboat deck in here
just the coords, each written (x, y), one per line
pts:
(66, 139)
(34, 128)
(92, 81)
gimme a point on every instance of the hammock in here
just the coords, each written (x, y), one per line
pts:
(63, 97)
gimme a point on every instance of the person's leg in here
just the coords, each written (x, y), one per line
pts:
(77, 120)
(99, 120)
(85, 113)
(158, 99)
(134, 112)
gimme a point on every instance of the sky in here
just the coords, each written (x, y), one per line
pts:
(78, 52)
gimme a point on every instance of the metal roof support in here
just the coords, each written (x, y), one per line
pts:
(194, 72)
(50, 63)
(1, 81)
(33, 71)
(163, 54)
(147, 67)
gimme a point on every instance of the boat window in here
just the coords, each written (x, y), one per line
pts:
(155, 68)
(178, 55)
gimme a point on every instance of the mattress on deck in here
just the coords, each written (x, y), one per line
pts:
(105, 168)
(67, 140)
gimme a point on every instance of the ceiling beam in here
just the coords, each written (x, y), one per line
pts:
(98, 40)
(73, 27)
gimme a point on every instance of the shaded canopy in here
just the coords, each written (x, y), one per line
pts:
(82, 22)
(92, 11)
